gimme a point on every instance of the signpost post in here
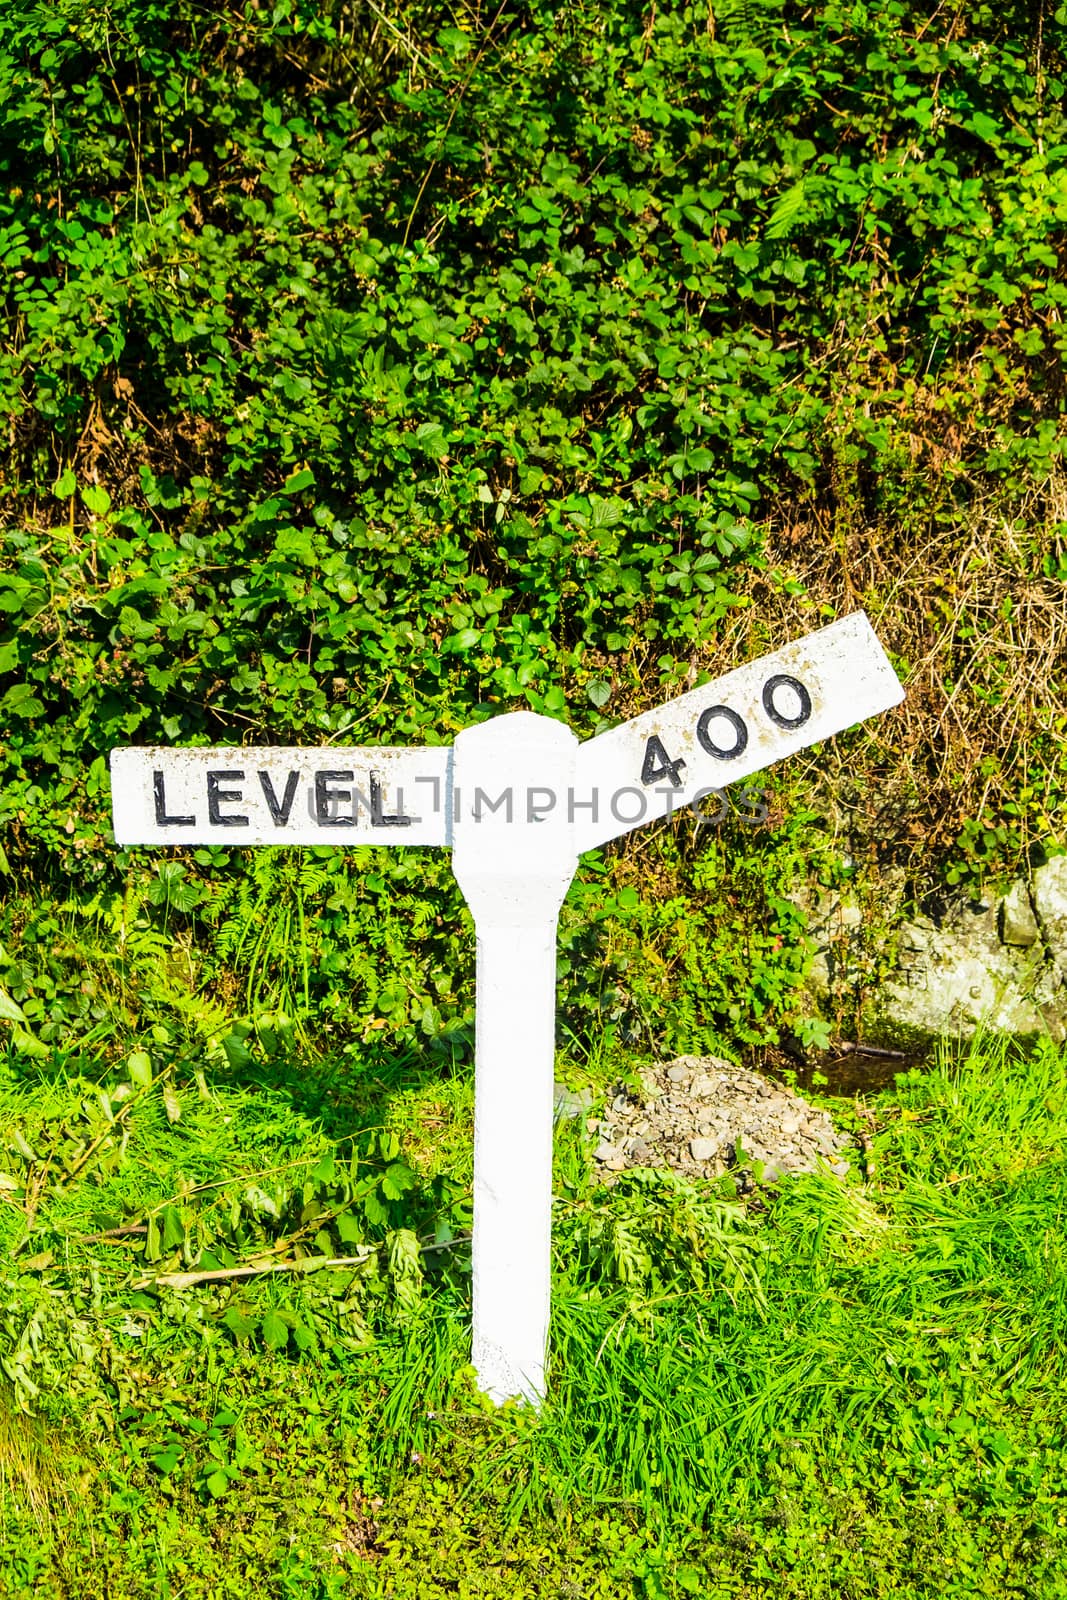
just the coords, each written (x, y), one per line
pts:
(518, 799)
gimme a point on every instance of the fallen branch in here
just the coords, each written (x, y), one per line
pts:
(848, 1047)
(111, 1233)
(188, 1280)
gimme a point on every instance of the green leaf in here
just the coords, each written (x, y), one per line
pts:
(303, 1337)
(349, 1230)
(151, 1245)
(139, 1067)
(167, 1459)
(599, 692)
(173, 1229)
(217, 1483)
(984, 127)
(237, 1052)
(28, 1044)
(240, 1324)
(65, 484)
(96, 499)
(396, 1180)
(275, 1332)
(325, 1169)
(304, 479)
(21, 701)
(9, 1011)
(465, 639)
(454, 42)
(431, 440)
(790, 209)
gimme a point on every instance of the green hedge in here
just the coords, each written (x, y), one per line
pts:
(369, 371)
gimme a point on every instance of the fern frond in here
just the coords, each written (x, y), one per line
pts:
(793, 207)
(748, 24)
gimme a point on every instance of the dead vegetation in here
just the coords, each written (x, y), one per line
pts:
(976, 623)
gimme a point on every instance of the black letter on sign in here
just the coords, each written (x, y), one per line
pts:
(780, 680)
(327, 799)
(279, 809)
(162, 820)
(377, 818)
(658, 764)
(707, 742)
(215, 795)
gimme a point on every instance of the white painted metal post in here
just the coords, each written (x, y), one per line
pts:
(514, 777)
(517, 800)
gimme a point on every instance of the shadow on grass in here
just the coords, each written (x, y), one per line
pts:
(345, 1093)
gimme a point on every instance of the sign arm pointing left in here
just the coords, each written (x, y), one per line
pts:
(282, 796)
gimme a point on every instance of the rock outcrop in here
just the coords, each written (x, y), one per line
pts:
(998, 964)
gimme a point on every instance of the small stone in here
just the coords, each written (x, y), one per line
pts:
(1018, 925)
(790, 1124)
(703, 1149)
(570, 1102)
(1050, 903)
(679, 1073)
(704, 1087)
(605, 1152)
(840, 1168)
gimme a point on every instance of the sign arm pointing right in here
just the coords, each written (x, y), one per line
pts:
(729, 729)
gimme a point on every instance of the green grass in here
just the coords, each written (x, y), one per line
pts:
(857, 1392)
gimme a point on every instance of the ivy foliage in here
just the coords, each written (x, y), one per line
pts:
(369, 372)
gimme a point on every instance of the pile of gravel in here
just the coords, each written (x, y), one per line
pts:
(696, 1113)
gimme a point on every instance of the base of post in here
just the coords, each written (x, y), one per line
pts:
(500, 1380)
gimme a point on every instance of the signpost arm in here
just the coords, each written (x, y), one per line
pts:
(514, 870)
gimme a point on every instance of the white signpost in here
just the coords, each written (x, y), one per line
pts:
(518, 799)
